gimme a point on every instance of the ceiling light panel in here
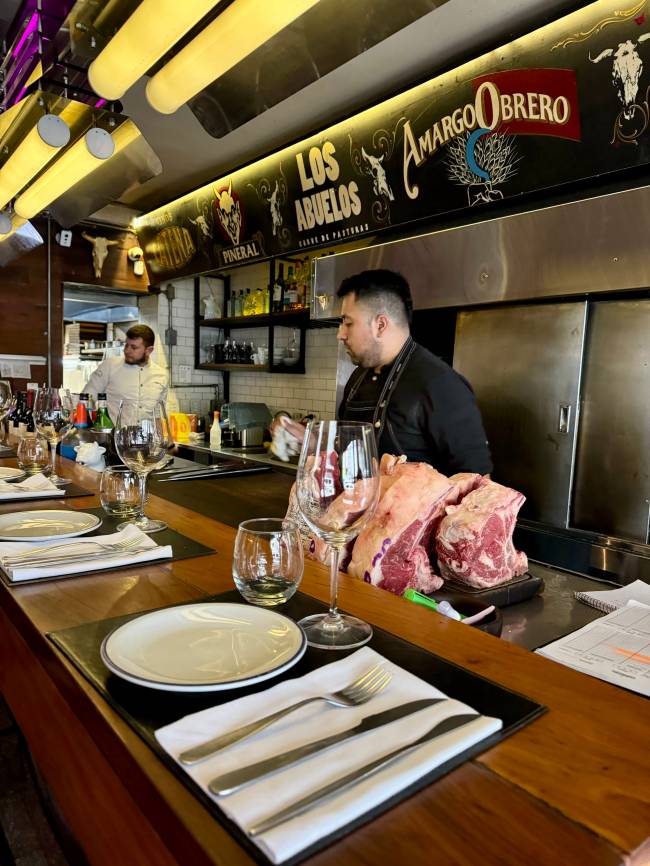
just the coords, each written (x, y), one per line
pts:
(146, 36)
(233, 35)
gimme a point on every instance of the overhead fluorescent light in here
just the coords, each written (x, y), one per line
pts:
(78, 161)
(40, 145)
(14, 224)
(145, 37)
(234, 34)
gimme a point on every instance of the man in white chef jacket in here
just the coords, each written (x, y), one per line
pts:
(134, 377)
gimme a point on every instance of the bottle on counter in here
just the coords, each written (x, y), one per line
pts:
(103, 419)
(81, 418)
(215, 433)
(18, 418)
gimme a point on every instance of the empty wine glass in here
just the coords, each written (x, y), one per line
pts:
(7, 404)
(337, 488)
(142, 440)
(53, 419)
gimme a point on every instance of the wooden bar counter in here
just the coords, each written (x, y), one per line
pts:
(572, 787)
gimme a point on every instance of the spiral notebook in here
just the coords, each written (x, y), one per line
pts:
(611, 599)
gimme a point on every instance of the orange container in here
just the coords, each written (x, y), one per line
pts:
(180, 426)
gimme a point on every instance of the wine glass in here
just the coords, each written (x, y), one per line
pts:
(53, 418)
(337, 488)
(142, 440)
(7, 404)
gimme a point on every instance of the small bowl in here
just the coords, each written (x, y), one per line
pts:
(492, 624)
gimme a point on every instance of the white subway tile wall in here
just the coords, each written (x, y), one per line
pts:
(315, 391)
(154, 312)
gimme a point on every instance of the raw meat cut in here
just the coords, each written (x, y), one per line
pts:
(392, 551)
(474, 541)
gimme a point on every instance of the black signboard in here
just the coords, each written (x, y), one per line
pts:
(567, 102)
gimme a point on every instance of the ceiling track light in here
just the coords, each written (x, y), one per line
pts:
(86, 155)
(233, 35)
(146, 36)
(39, 147)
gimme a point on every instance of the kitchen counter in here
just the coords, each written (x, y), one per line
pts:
(202, 453)
(571, 787)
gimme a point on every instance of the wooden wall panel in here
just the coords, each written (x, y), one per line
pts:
(23, 292)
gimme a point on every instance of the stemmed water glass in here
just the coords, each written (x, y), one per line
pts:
(53, 418)
(7, 403)
(142, 440)
(337, 488)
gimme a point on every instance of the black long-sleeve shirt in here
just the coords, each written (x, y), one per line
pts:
(432, 414)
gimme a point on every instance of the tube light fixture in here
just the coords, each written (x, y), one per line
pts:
(234, 34)
(15, 223)
(78, 161)
(40, 145)
(146, 36)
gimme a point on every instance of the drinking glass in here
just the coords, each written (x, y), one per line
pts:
(32, 454)
(337, 488)
(119, 492)
(268, 560)
(53, 417)
(7, 404)
(142, 440)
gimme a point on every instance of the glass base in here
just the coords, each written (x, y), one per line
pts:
(56, 479)
(341, 632)
(146, 525)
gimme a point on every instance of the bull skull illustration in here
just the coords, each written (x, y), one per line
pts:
(100, 251)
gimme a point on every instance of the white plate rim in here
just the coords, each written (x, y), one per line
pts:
(50, 537)
(15, 473)
(204, 687)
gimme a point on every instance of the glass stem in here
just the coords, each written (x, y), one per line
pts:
(142, 480)
(335, 555)
(53, 458)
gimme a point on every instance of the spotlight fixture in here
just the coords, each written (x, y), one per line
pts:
(40, 146)
(146, 36)
(78, 161)
(234, 34)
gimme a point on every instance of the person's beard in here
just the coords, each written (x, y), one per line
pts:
(371, 357)
(138, 363)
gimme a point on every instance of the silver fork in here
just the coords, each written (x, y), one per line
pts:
(352, 695)
(44, 554)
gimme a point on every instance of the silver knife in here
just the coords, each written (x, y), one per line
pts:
(230, 782)
(324, 793)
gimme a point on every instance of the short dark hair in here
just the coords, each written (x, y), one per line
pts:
(143, 332)
(385, 291)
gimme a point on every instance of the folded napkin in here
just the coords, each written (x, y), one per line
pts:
(34, 487)
(94, 562)
(259, 800)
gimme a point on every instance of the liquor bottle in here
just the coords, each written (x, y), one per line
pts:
(81, 420)
(30, 396)
(18, 416)
(103, 419)
(230, 309)
(278, 290)
(246, 304)
(258, 302)
(227, 353)
(267, 299)
(306, 282)
(289, 290)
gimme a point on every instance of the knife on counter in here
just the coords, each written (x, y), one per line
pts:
(233, 781)
(451, 723)
(187, 475)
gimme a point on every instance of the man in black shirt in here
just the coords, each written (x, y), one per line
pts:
(417, 403)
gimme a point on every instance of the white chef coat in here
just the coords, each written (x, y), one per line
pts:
(122, 381)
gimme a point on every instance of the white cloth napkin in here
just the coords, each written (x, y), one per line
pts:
(266, 796)
(34, 487)
(93, 563)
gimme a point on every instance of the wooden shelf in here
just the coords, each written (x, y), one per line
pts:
(285, 318)
(233, 368)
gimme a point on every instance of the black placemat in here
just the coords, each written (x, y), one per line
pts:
(148, 709)
(182, 548)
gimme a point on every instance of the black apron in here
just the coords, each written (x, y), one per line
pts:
(375, 412)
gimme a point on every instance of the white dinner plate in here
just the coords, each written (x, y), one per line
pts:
(45, 525)
(7, 473)
(203, 647)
